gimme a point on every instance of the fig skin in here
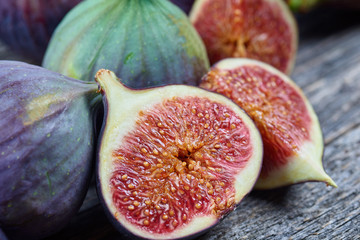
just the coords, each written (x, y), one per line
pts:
(242, 29)
(27, 26)
(118, 99)
(2, 235)
(304, 163)
(303, 5)
(185, 5)
(46, 147)
(147, 42)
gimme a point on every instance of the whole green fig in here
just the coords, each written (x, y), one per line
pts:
(145, 42)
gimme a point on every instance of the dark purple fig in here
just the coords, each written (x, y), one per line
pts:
(2, 235)
(185, 5)
(46, 148)
(173, 160)
(27, 25)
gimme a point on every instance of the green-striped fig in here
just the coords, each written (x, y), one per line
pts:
(146, 42)
(46, 148)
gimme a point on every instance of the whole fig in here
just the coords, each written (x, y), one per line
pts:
(185, 5)
(27, 26)
(46, 148)
(146, 42)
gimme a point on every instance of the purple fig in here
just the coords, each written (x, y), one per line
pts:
(27, 26)
(46, 148)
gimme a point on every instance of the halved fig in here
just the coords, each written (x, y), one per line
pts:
(172, 160)
(259, 29)
(290, 130)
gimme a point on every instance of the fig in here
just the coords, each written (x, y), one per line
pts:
(264, 30)
(303, 5)
(2, 235)
(185, 5)
(172, 160)
(290, 130)
(147, 42)
(46, 148)
(26, 26)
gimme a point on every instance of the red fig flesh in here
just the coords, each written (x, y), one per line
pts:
(293, 144)
(173, 160)
(259, 29)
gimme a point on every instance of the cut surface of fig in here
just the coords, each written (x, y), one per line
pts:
(293, 144)
(173, 160)
(264, 30)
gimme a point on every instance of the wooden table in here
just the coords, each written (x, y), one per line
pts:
(328, 70)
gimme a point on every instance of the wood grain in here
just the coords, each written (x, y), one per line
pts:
(328, 70)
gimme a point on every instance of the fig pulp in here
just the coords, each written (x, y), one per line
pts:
(172, 160)
(290, 130)
(147, 42)
(46, 148)
(259, 29)
(26, 26)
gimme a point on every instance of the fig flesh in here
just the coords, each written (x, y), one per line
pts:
(148, 43)
(173, 160)
(27, 26)
(290, 130)
(264, 30)
(46, 148)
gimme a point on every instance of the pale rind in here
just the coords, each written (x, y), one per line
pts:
(307, 165)
(121, 118)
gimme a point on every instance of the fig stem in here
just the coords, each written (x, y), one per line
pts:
(108, 82)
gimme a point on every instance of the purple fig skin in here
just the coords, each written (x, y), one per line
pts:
(185, 5)
(27, 26)
(2, 235)
(46, 148)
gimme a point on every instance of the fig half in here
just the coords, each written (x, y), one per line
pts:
(290, 130)
(172, 160)
(264, 30)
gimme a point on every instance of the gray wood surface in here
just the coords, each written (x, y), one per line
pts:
(328, 70)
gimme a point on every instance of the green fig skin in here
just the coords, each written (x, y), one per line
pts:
(302, 5)
(46, 148)
(146, 42)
